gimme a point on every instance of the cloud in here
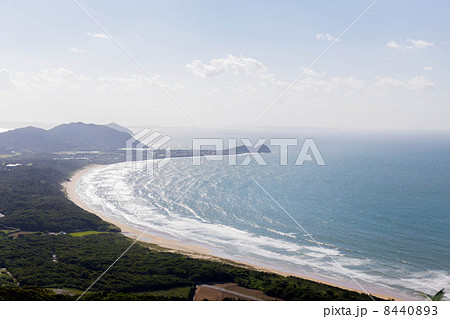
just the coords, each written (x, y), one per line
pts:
(269, 80)
(98, 35)
(76, 50)
(312, 72)
(326, 100)
(420, 44)
(133, 82)
(420, 82)
(47, 79)
(62, 79)
(393, 45)
(343, 84)
(411, 44)
(415, 83)
(5, 80)
(230, 64)
(428, 68)
(350, 81)
(351, 84)
(60, 72)
(325, 36)
(389, 81)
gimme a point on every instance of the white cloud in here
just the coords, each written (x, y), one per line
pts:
(46, 79)
(350, 81)
(420, 82)
(389, 81)
(351, 84)
(428, 68)
(130, 83)
(415, 83)
(325, 36)
(316, 101)
(60, 72)
(393, 45)
(98, 35)
(76, 50)
(230, 64)
(420, 44)
(55, 79)
(269, 80)
(411, 44)
(5, 79)
(63, 79)
(343, 84)
(312, 72)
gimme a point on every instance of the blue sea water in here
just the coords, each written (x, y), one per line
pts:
(379, 208)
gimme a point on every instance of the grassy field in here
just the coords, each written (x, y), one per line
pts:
(86, 233)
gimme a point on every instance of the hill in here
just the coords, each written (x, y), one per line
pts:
(120, 128)
(66, 137)
(30, 139)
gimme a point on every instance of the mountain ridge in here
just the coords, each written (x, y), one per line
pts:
(75, 136)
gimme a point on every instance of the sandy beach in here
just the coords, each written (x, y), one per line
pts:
(194, 251)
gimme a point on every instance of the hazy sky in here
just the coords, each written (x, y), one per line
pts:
(226, 61)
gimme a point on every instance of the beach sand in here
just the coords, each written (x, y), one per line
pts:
(194, 251)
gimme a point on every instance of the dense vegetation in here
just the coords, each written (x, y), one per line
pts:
(35, 261)
(29, 293)
(68, 262)
(32, 200)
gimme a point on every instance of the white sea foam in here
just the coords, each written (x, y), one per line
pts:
(291, 235)
(132, 197)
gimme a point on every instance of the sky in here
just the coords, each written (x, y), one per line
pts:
(223, 63)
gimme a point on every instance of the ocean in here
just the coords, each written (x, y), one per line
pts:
(375, 216)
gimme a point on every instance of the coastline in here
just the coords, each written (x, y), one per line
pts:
(175, 246)
(70, 190)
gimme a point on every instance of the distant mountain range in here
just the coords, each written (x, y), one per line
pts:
(66, 137)
(85, 137)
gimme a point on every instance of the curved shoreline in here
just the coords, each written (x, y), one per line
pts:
(70, 189)
(194, 251)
